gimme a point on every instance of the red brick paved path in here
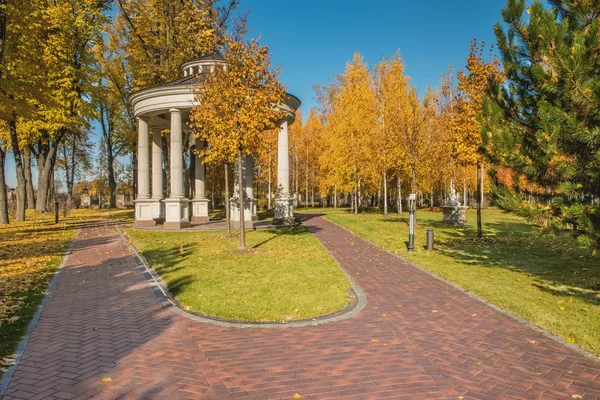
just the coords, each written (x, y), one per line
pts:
(104, 321)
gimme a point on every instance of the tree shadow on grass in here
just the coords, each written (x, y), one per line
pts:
(278, 232)
(561, 270)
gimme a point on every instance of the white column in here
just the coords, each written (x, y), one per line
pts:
(283, 203)
(199, 181)
(200, 202)
(176, 206)
(176, 155)
(157, 171)
(283, 161)
(143, 180)
(157, 175)
(143, 203)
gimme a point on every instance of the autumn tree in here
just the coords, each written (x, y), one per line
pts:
(158, 36)
(466, 140)
(115, 117)
(21, 67)
(73, 28)
(237, 105)
(309, 150)
(352, 118)
(391, 86)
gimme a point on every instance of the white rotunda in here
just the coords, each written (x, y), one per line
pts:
(168, 107)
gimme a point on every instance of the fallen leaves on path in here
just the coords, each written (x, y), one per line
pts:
(30, 251)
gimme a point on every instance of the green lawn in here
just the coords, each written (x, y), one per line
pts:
(547, 279)
(288, 276)
(30, 253)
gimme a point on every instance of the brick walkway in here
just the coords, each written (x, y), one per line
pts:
(418, 338)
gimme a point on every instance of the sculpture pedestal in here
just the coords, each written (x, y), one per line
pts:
(176, 213)
(249, 206)
(200, 211)
(144, 215)
(284, 211)
(454, 215)
(158, 212)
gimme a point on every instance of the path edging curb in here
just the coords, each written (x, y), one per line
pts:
(169, 302)
(7, 376)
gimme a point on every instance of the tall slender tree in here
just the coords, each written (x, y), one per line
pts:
(237, 106)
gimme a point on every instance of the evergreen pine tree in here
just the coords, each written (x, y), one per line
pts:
(551, 103)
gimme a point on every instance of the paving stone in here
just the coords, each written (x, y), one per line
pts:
(104, 321)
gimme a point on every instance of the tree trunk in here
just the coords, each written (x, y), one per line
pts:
(399, 184)
(241, 201)
(431, 197)
(29, 178)
(306, 181)
(482, 194)
(134, 177)
(479, 198)
(19, 169)
(51, 191)
(413, 169)
(112, 183)
(465, 195)
(46, 171)
(385, 200)
(3, 196)
(227, 209)
(334, 196)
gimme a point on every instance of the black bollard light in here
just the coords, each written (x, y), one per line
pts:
(429, 239)
(412, 208)
(56, 212)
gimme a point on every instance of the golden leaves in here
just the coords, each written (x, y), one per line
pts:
(239, 103)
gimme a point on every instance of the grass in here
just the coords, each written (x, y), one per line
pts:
(547, 279)
(30, 253)
(287, 276)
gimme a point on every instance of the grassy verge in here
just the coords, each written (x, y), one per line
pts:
(547, 279)
(288, 275)
(30, 253)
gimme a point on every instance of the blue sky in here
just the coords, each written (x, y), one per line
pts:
(312, 40)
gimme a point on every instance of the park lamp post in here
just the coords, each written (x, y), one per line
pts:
(412, 206)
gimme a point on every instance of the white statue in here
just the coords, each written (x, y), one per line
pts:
(453, 201)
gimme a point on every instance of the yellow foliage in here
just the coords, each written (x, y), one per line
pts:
(27, 248)
(465, 124)
(238, 102)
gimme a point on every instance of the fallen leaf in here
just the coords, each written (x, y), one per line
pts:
(107, 379)
(570, 340)
(297, 396)
(374, 340)
(576, 396)
(533, 341)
